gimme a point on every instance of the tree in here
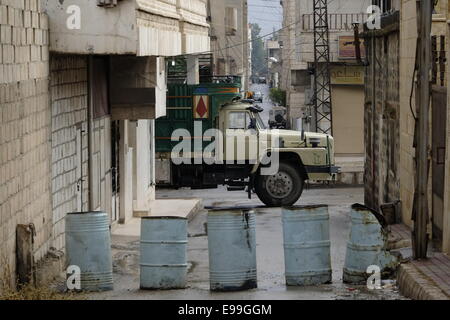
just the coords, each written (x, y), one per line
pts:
(259, 62)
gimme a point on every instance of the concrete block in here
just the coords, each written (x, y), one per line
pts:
(3, 14)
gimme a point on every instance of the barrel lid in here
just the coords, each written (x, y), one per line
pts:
(86, 213)
(309, 207)
(232, 208)
(163, 218)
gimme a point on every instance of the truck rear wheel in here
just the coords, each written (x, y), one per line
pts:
(281, 189)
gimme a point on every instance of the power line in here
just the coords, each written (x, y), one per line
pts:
(242, 43)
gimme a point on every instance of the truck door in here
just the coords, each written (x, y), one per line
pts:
(240, 140)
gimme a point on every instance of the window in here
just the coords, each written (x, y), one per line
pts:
(300, 78)
(385, 5)
(238, 120)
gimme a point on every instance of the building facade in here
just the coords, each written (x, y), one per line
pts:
(391, 115)
(80, 86)
(274, 62)
(230, 39)
(347, 78)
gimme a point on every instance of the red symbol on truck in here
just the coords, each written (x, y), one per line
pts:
(201, 107)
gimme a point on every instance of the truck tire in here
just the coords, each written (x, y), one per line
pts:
(282, 189)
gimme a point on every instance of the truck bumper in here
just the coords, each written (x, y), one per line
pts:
(323, 169)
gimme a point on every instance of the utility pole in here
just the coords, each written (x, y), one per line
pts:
(421, 216)
(322, 78)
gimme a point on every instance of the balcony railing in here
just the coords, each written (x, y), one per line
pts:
(336, 21)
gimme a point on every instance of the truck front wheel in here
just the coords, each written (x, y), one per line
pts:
(281, 189)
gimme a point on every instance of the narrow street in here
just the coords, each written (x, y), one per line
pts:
(270, 259)
(270, 253)
(267, 103)
(129, 149)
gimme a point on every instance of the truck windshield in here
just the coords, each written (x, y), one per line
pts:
(259, 121)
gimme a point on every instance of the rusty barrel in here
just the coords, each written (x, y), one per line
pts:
(88, 247)
(163, 249)
(306, 232)
(367, 246)
(232, 249)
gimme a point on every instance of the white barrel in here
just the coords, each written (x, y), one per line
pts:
(307, 253)
(232, 249)
(367, 246)
(88, 246)
(163, 253)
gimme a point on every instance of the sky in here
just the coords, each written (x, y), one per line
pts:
(267, 13)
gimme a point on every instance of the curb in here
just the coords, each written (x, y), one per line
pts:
(195, 210)
(415, 285)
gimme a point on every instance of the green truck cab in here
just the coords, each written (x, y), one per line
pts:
(228, 144)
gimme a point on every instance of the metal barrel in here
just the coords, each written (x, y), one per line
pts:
(367, 246)
(307, 256)
(88, 247)
(232, 249)
(163, 262)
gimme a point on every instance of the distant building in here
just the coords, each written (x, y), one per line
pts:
(347, 79)
(250, 54)
(229, 39)
(273, 50)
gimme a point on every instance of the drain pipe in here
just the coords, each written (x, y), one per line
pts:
(89, 131)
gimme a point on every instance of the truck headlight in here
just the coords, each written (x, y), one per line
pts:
(314, 142)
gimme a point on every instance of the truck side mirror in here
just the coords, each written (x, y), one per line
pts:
(252, 124)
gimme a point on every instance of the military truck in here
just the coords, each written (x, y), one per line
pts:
(246, 155)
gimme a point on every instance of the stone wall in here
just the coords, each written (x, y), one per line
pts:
(382, 118)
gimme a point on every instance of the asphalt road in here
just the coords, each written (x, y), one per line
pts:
(267, 103)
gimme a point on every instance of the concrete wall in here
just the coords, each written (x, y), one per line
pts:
(138, 27)
(143, 164)
(408, 39)
(446, 240)
(25, 128)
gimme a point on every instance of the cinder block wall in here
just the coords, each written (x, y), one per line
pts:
(25, 127)
(69, 101)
